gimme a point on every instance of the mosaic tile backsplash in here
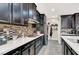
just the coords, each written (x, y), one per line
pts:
(19, 30)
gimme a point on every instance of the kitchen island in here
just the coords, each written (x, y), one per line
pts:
(23, 46)
(70, 45)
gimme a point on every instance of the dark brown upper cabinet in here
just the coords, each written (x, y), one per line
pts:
(17, 17)
(25, 12)
(76, 15)
(42, 22)
(77, 20)
(17, 13)
(22, 12)
(64, 21)
(67, 22)
(42, 18)
(38, 16)
(28, 11)
(73, 21)
(5, 12)
(32, 10)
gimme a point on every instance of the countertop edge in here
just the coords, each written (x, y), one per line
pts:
(70, 44)
(8, 49)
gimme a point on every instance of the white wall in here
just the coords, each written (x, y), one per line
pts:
(59, 29)
(53, 20)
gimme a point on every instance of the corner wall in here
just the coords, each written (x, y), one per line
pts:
(59, 29)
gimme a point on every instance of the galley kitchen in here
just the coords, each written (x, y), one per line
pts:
(39, 29)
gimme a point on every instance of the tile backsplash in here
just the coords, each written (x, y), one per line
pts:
(19, 30)
(66, 31)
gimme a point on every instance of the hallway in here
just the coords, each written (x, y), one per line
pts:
(53, 48)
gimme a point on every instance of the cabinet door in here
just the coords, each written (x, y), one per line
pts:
(63, 47)
(5, 12)
(69, 52)
(38, 44)
(16, 13)
(37, 15)
(69, 21)
(66, 21)
(63, 22)
(42, 19)
(73, 22)
(25, 12)
(26, 51)
(32, 52)
(77, 21)
(32, 10)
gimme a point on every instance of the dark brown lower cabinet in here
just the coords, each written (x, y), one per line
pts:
(38, 44)
(32, 52)
(25, 50)
(66, 49)
(31, 48)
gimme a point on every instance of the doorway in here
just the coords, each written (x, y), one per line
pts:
(53, 32)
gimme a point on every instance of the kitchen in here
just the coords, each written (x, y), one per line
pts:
(21, 29)
(39, 29)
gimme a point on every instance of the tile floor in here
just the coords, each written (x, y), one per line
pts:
(53, 48)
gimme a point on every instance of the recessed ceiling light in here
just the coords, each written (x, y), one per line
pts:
(54, 16)
(53, 9)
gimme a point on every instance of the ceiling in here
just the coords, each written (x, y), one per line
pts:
(58, 8)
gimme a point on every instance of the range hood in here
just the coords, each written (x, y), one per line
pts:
(34, 21)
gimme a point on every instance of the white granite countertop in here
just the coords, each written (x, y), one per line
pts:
(73, 45)
(13, 44)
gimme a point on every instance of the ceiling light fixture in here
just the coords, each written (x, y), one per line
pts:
(52, 9)
(54, 16)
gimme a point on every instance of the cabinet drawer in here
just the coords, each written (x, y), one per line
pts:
(38, 43)
(26, 51)
(38, 49)
(25, 46)
(32, 50)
